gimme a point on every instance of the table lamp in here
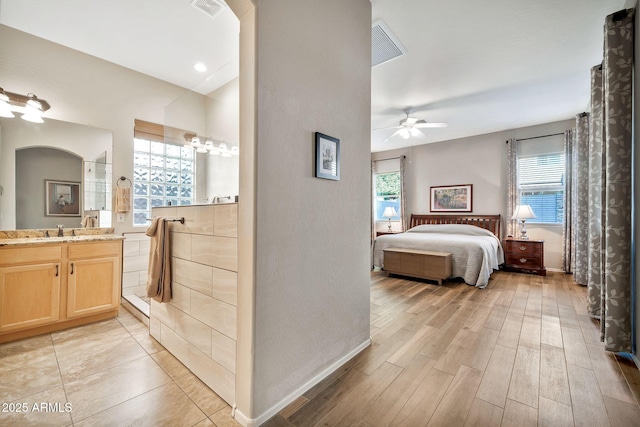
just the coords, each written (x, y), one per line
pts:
(389, 212)
(523, 213)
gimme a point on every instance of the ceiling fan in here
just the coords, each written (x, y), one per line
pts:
(410, 126)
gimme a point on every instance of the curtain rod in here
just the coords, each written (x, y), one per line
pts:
(536, 137)
(390, 158)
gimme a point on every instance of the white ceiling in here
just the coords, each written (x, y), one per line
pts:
(481, 66)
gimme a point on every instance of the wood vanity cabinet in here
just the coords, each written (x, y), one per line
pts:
(29, 287)
(52, 286)
(92, 271)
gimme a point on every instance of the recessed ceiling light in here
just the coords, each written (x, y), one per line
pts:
(200, 67)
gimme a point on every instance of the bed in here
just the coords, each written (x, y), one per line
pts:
(472, 240)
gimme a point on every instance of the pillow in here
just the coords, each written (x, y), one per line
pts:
(466, 229)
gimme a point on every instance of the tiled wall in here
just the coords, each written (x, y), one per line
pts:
(199, 325)
(135, 261)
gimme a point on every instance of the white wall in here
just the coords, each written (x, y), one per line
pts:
(479, 160)
(305, 67)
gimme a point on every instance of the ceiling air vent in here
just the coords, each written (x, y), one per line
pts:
(209, 7)
(384, 45)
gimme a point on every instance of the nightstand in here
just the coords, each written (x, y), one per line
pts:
(525, 256)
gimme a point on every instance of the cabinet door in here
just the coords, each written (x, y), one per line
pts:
(93, 286)
(29, 296)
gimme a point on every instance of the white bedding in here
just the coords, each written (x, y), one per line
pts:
(475, 252)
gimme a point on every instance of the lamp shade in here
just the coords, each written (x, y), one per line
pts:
(389, 212)
(523, 212)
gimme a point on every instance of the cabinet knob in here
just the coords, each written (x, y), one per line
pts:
(523, 260)
(523, 248)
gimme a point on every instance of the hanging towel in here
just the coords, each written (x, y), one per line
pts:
(159, 272)
(88, 222)
(123, 199)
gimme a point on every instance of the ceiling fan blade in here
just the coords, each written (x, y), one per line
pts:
(390, 127)
(431, 125)
(392, 135)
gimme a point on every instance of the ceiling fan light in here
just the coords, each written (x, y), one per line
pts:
(410, 121)
(405, 133)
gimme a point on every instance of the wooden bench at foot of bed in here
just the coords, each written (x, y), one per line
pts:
(416, 263)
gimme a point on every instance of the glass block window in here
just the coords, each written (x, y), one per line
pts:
(541, 183)
(163, 175)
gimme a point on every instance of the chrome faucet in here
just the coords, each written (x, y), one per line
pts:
(60, 230)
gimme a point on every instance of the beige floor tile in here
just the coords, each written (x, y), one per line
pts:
(205, 423)
(111, 387)
(33, 413)
(170, 364)
(103, 354)
(164, 406)
(223, 418)
(30, 351)
(146, 341)
(71, 336)
(22, 382)
(207, 400)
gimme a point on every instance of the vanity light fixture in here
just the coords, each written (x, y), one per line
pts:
(31, 108)
(5, 108)
(211, 146)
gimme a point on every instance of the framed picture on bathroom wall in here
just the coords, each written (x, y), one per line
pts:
(62, 198)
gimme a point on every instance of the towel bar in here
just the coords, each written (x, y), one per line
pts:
(180, 220)
(123, 178)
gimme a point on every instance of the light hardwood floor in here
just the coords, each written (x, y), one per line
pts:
(521, 352)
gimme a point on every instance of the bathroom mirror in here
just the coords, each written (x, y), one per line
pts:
(31, 153)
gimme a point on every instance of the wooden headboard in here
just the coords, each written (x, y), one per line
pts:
(489, 222)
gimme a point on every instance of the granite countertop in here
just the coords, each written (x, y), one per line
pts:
(22, 237)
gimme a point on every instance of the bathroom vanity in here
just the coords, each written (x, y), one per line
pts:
(53, 283)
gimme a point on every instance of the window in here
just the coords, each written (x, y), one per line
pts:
(387, 194)
(541, 185)
(163, 175)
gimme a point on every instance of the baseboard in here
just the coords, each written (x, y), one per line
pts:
(557, 270)
(264, 417)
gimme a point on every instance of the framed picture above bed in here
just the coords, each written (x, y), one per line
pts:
(452, 198)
